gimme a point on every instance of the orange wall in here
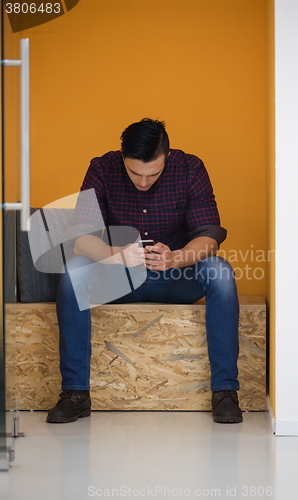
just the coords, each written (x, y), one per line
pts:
(270, 156)
(197, 64)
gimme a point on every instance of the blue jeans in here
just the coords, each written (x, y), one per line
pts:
(212, 278)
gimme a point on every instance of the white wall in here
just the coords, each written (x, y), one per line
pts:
(286, 81)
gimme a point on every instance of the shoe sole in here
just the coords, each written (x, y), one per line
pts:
(83, 414)
(228, 420)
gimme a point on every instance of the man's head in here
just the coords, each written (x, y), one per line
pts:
(144, 147)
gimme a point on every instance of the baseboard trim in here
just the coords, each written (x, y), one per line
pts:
(272, 416)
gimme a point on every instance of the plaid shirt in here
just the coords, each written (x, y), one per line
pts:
(178, 207)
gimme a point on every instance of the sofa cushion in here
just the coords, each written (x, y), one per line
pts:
(35, 285)
(9, 256)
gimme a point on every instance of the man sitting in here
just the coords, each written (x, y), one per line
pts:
(166, 196)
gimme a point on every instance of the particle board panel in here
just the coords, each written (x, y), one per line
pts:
(144, 357)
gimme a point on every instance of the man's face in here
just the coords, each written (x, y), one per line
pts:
(143, 175)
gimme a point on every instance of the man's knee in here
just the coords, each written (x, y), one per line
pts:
(215, 270)
(77, 262)
(73, 273)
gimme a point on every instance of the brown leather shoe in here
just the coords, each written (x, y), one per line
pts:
(225, 407)
(71, 405)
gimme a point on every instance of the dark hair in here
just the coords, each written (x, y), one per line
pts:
(145, 140)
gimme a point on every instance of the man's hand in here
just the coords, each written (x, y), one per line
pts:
(161, 259)
(196, 250)
(132, 255)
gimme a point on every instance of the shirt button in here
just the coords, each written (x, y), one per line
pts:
(144, 210)
(145, 233)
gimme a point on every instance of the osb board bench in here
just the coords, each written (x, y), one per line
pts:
(144, 356)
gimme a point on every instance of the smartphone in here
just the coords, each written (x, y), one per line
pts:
(144, 243)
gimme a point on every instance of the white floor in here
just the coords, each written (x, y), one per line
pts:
(150, 455)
